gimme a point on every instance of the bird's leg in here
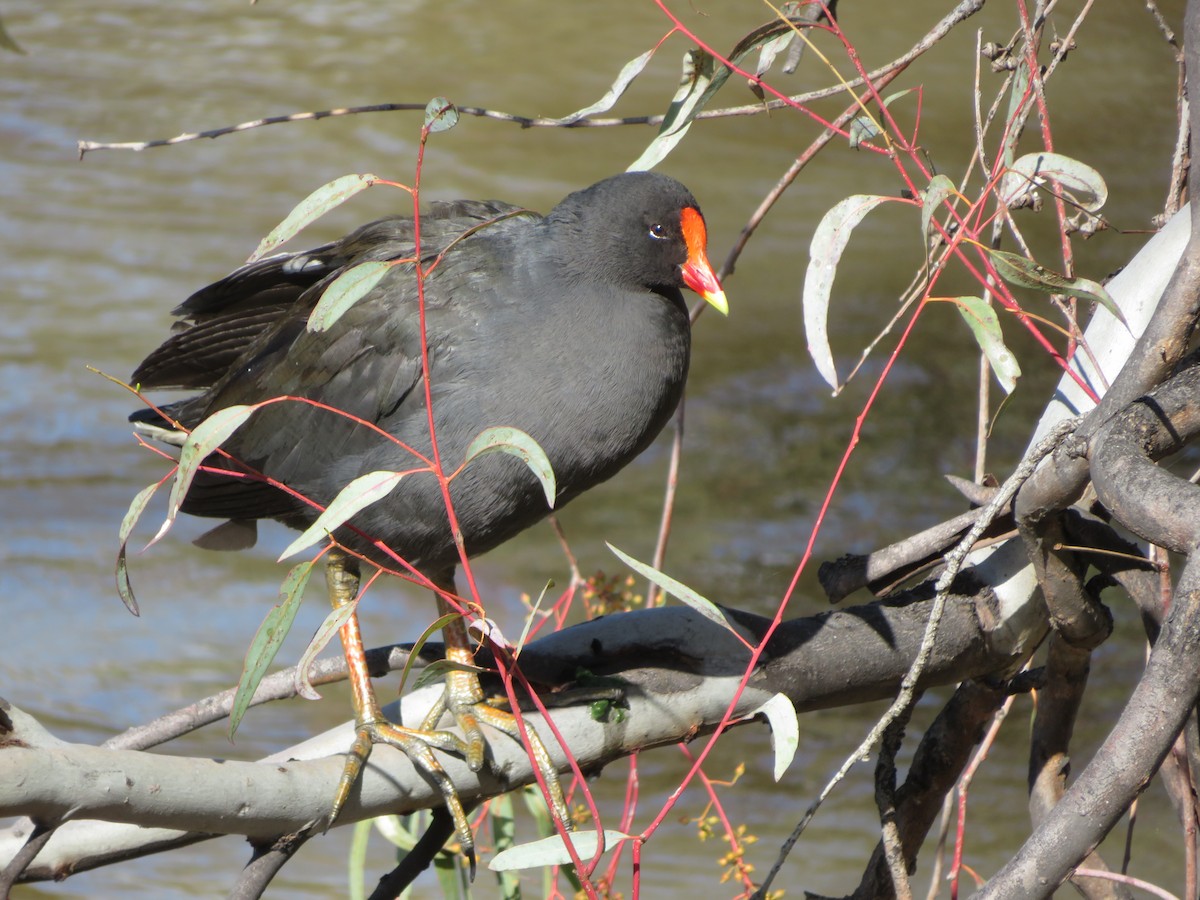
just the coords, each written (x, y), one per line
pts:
(464, 699)
(371, 727)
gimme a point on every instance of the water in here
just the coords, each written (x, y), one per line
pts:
(96, 253)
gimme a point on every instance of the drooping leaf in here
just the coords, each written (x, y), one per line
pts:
(200, 444)
(517, 443)
(394, 829)
(940, 187)
(440, 115)
(311, 208)
(825, 252)
(1022, 272)
(785, 731)
(624, 78)
(324, 634)
(699, 82)
(678, 590)
(702, 78)
(985, 325)
(346, 290)
(136, 508)
(268, 639)
(1082, 184)
(552, 851)
(353, 498)
(415, 653)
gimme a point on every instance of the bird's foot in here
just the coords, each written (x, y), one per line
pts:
(418, 746)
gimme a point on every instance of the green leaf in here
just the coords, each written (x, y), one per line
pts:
(200, 444)
(440, 115)
(552, 851)
(268, 639)
(1022, 272)
(785, 730)
(415, 652)
(324, 634)
(356, 860)
(136, 508)
(985, 325)
(864, 127)
(517, 443)
(678, 590)
(624, 78)
(346, 290)
(439, 668)
(940, 188)
(1079, 182)
(699, 82)
(352, 499)
(311, 208)
(825, 252)
(504, 832)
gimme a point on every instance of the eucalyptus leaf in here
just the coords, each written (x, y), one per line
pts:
(200, 444)
(516, 443)
(678, 590)
(624, 78)
(552, 851)
(320, 640)
(136, 507)
(440, 115)
(781, 716)
(353, 498)
(1022, 272)
(825, 252)
(346, 290)
(268, 639)
(985, 325)
(322, 200)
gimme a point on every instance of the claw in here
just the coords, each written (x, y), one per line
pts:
(463, 699)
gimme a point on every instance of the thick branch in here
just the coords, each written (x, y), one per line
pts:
(680, 670)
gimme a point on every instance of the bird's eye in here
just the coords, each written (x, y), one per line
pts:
(658, 232)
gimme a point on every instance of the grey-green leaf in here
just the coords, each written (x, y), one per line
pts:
(517, 443)
(985, 325)
(624, 78)
(825, 252)
(440, 115)
(700, 81)
(136, 508)
(324, 634)
(1022, 272)
(678, 590)
(940, 188)
(552, 851)
(785, 730)
(346, 290)
(353, 498)
(268, 639)
(203, 441)
(311, 208)
(1079, 181)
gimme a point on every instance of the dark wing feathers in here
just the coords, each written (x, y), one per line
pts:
(244, 339)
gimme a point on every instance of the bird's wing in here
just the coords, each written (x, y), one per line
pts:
(219, 323)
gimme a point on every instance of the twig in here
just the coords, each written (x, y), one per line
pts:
(954, 563)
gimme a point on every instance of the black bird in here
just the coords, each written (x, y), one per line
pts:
(570, 327)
